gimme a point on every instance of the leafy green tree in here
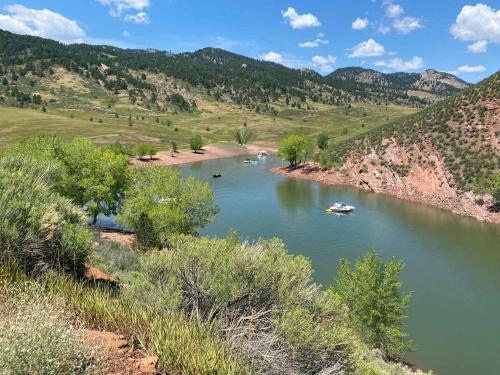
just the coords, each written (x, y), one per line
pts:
(159, 203)
(323, 158)
(376, 303)
(308, 150)
(174, 146)
(196, 143)
(95, 178)
(120, 149)
(296, 149)
(491, 185)
(243, 136)
(140, 150)
(322, 141)
(152, 150)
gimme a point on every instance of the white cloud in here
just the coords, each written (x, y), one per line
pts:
(383, 29)
(126, 33)
(116, 7)
(140, 18)
(478, 47)
(272, 57)
(300, 21)
(407, 24)
(403, 25)
(471, 69)
(45, 23)
(401, 65)
(315, 43)
(360, 23)
(477, 22)
(394, 10)
(366, 49)
(324, 63)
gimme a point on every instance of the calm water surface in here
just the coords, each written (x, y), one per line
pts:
(452, 263)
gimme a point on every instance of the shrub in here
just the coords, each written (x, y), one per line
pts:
(322, 141)
(37, 337)
(40, 229)
(243, 136)
(377, 307)
(196, 143)
(260, 299)
(159, 203)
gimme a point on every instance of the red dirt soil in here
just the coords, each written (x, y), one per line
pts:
(118, 358)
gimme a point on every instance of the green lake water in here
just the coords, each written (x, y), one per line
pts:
(452, 263)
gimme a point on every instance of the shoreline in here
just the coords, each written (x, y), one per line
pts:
(333, 178)
(209, 152)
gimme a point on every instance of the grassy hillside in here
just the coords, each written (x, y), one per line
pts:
(215, 121)
(463, 130)
(44, 73)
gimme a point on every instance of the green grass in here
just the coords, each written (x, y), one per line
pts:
(221, 119)
(182, 347)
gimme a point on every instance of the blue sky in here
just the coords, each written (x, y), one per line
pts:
(462, 37)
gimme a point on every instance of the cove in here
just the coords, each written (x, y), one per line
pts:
(452, 262)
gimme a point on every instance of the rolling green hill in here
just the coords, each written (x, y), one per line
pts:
(161, 80)
(116, 95)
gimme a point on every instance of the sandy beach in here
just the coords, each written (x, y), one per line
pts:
(208, 152)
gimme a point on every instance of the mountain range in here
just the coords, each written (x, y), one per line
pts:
(161, 79)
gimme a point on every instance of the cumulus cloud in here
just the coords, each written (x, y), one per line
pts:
(478, 47)
(393, 10)
(314, 43)
(471, 69)
(272, 57)
(140, 18)
(477, 22)
(44, 23)
(403, 25)
(300, 21)
(407, 24)
(117, 7)
(360, 23)
(367, 48)
(324, 63)
(402, 65)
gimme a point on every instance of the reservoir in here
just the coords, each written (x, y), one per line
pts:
(452, 262)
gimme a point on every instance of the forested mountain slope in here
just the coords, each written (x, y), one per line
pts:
(160, 80)
(426, 87)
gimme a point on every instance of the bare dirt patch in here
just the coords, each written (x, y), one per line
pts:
(118, 357)
(123, 238)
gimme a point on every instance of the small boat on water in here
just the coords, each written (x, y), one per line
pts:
(340, 207)
(217, 174)
(248, 161)
(262, 154)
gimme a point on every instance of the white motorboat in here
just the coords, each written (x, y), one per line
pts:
(340, 207)
(262, 154)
